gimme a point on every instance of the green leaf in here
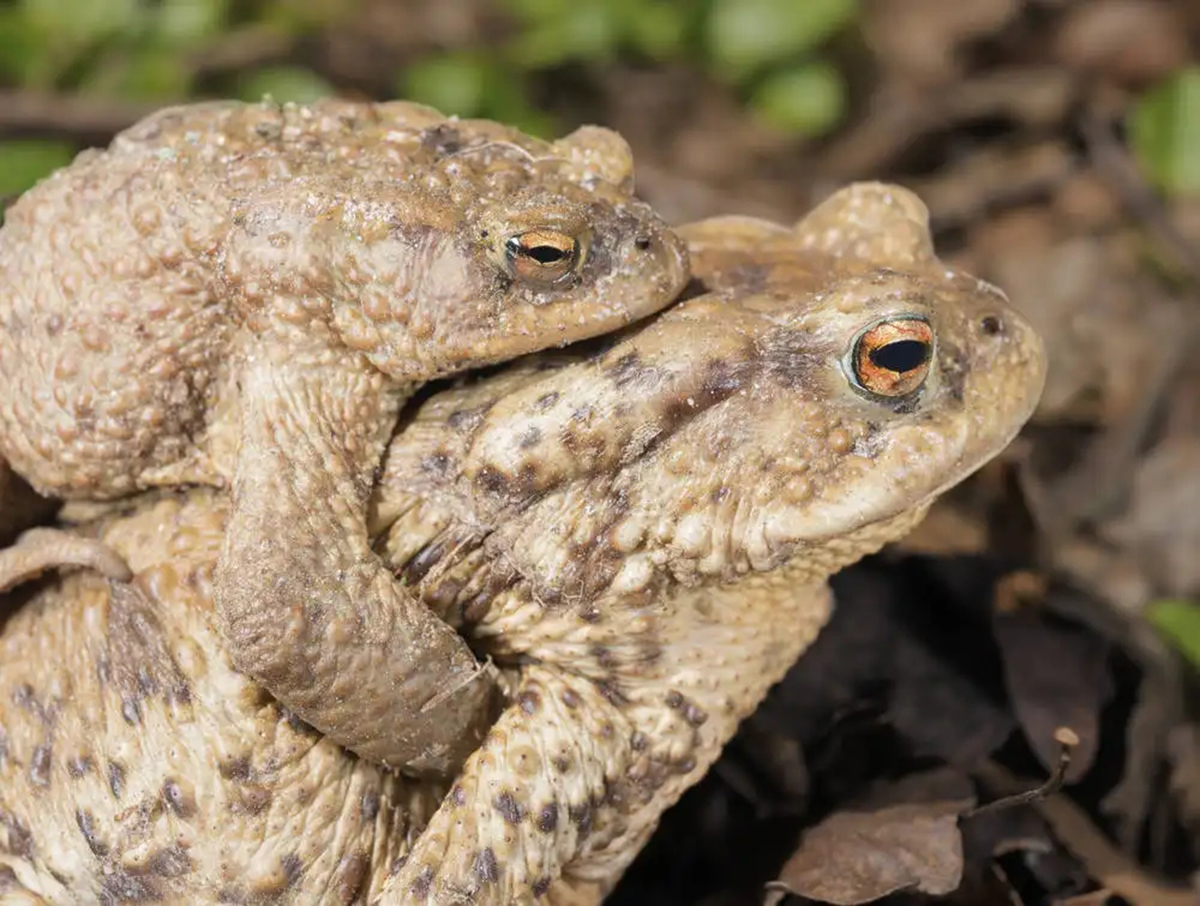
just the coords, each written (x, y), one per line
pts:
(1166, 133)
(154, 74)
(74, 20)
(1179, 621)
(745, 36)
(583, 30)
(454, 83)
(22, 44)
(809, 100)
(283, 84)
(658, 30)
(186, 22)
(24, 161)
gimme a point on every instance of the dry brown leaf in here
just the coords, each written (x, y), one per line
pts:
(901, 836)
(1056, 675)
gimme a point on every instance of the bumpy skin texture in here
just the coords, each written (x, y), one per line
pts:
(245, 294)
(639, 535)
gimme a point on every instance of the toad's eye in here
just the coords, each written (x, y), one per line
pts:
(891, 359)
(541, 256)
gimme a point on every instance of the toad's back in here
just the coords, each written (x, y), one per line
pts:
(124, 277)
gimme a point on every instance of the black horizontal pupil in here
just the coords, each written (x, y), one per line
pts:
(544, 254)
(900, 356)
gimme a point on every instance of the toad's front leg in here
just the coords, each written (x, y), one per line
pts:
(601, 739)
(308, 608)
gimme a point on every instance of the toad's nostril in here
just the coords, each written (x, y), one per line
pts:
(991, 325)
(642, 243)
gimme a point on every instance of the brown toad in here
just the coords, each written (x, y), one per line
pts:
(244, 295)
(639, 535)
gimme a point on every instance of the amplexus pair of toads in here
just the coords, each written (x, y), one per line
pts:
(635, 531)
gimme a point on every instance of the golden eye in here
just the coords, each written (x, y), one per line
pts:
(541, 256)
(892, 358)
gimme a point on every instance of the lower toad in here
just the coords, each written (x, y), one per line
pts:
(639, 535)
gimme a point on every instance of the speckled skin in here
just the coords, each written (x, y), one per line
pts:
(244, 295)
(639, 535)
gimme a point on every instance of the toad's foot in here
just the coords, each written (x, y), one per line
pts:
(40, 549)
(308, 608)
(573, 778)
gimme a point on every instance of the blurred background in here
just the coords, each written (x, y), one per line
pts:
(1057, 144)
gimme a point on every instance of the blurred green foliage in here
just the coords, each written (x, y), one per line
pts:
(1179, 621)
(769, 51)
(1165, 131)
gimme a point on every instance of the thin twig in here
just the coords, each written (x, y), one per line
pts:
(1067, 740)
(85, 119)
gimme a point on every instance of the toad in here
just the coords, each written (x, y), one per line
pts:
(243, 295)
(638, 531)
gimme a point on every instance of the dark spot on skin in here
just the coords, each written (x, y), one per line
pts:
(236, 767)
(589, 614)
(122, 887)
(170, 862)
(177, 800)
(718, 494)
(529, 701)
(991, 325)
(116, 778)
(254, 798)
(750, 278)
(437, 464)
(300, 726)
(570, 698)
(476, 609)
(139, 661)
(491, 480)
(292, 867)
(22, 696)
(954, 376)
(790, 357)
(581, 816)
(78, 765)
(638, 741)
(612, 693)
(131, 711)
(458, 795)
(486, 869)
(444, 593)
(8, 880)
(508, 807)
(604, 657)
(466, 419)
(442, 140)
(530, 437)
(561, 763)
(424, 882)
(626, 370)
(674, 700)
(368, 806)
(723, 378)
(546, 400)
(39, 765)
(547, 819)
(351, 873)
(422, 562)
(20, 840)
(87, 826)
(694, 715)
(541, 886)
